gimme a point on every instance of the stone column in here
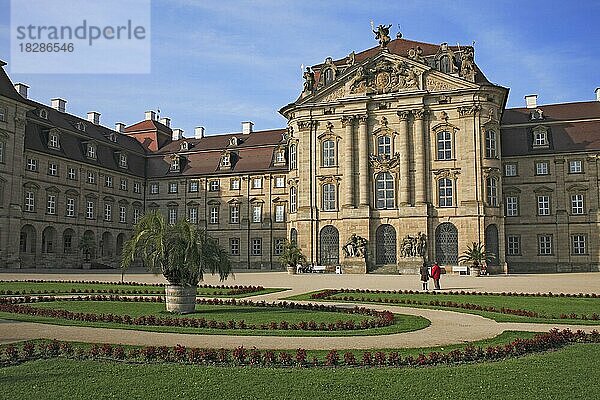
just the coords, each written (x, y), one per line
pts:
(404, 191)
(419, 155)
(363, 160)
(347, 122)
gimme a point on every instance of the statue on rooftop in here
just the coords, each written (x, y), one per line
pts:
(383, 35)
(309, 80)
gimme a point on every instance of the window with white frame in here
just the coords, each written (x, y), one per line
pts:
(173, 187)
(91, 178)
(541, 168)
(193, 186)
(280, 181)
(53, 141)
(545, 245)
(226, 160)
(108, 181)
(214, 214)
(70, 207)
(577, 201)
(193, 215)
(51, 204)
(234, 184)
(575, 167)
(293, 199)
(257, 213)
(137, 187)
(3, 114)
(328, 153)
(445, 192)
(32, 164)
(578, 246)
(257, 183)
(279, 213)
(175, 164)
(234, 213)
(71, 173)
(89, 210)
(256, 246)
(278, 247)
(154, 188)
(543, 202)
(91, 151)
(492, 191)
(123, 185)
(384, 146)
(280, 157)
(513, 245)
(510, 169)
(172, 215)
(444, 145)
(137, 214)
(107, 212)
(213, 186)
(122, 214)
(29, 201)
(490, 144)
(122, 160)
(384, 190)
(540, 137)
(293, 157)
(512, 206)
(234, 246)
(329, 203)
(52, 169)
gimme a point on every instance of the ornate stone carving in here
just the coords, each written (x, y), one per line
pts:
(347, 119)
(356, 246)
(403, 115)
(444, 116)
(416, 54)
(436, 85)
(385, 77)
(329, 126)
(450, 173)
(20, 122)
(351, 59)
(384, 121)
(467, 66)
(382, 34)
(465, 111)
(382, 162)
(420, 113)
(414, 246)
(336, 94)
(309, 80)
(307, 124)
(362, 119)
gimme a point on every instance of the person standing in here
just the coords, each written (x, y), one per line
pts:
(425, 276)
(436, 272)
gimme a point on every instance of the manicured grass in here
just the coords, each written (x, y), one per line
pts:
(549, 306)
(565, 374)
(34, 288)
(250, 315)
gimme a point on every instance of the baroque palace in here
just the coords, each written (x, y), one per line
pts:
(406, 148)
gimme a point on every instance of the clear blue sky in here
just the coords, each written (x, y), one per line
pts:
(217, 63)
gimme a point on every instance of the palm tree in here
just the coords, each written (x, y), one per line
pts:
(181, 252)
(476, 254)
(292, 255)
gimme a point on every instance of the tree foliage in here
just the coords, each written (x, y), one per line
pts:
(292, 255)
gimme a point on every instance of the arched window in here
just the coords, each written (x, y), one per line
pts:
(444, 145)
(329, 203)
(294, 235)
(120, 242)
(384, 190)
(69, 241)
(328, 153)
(490, 144)
(445, 192)
(386, 245)
(491, 244)
(329, 246)
(293, 162)
(492, 191)
(48, 240)
(384, 146)
(106, 245)
(293, 199)
(27, 242)
(446, 244)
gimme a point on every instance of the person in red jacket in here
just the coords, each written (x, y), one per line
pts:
(436, 272)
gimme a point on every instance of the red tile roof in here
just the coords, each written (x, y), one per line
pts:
(554, 112)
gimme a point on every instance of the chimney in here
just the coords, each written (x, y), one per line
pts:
(531, 100)
(120, 127)
(22, 89)
(165, 121)
(177, 134)
(247, 127)
(94, 117)
(199, 132)
(597, 93)
(150, 115)
(59, 104)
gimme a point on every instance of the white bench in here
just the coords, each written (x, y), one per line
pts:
(319, 268)
(462, 270)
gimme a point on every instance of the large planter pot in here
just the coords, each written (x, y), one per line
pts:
(180, 299)
(476, 271)
(291, 270)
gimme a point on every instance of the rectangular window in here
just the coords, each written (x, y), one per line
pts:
(70, 207)
(234, 246)
(175, 164)
(213, 186)
(172, 216)
(123, 160)
(123, 184)
(137, 187)
(540, 138)
(51, 206)
(107, 212)
(279, 213)
(577, 204)
(257, 213)
(32, 164)
(513, 245)
(137, 213)
(444, 146)
(89, 211)
(256, 246)
(257, 183)
(2, 152)
(278, 247)
(328, 153)
(3, 114)
(541, 168)
(122, 214)
(53, 141)
(234, 213)
(280, 157)
(512, 206)
(193, 187)
(329, 203)
(154, 188)
(490, 144)
(280, 182)
(91, 151)
(578, 244)
(543, 205)
(72, 173)
(293, 199)
(235, 184)
(173, 187)
(510, 170)
(492, 192)
(445, 192)
(545, 245)
(193, 215)
(575, 167)
(214, 214)
(29, 201)
(52, 169)
(68, 243)
(108, 181)
(91, 178)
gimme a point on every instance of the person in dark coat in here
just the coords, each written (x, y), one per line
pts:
(436, 272)
(425, 276)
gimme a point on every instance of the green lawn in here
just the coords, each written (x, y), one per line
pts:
(34, 288)
(549, 306)
(251, 315)
(569, 373)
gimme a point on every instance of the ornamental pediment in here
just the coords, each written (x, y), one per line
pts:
(435, 81)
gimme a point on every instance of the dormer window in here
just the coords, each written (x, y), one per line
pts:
(91, 151)
(185, 146)
(226, 160)
(43, 114)
(112, 137)
(80, 126)
(175, 165)
(122, 160)
(540, 137)
(536, 114)
(233, 141)
(280, 157)
(53, 141)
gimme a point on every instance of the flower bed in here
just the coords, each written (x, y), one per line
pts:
(555, 339)
(355, 295)
(21, 306)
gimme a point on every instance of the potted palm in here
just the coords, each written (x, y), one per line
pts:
(476, 255)
(291, 257)
(181, 252)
